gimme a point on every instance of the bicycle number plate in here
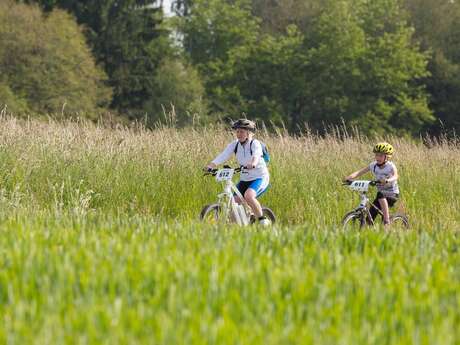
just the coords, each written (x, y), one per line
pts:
(360, 186)
(224, 175)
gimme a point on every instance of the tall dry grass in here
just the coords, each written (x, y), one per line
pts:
(81, 167)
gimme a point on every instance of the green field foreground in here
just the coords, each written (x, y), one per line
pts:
(100, 244)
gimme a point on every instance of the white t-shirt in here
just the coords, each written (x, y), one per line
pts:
(244, 157)
(384, 172)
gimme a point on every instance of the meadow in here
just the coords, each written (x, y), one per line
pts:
(100, 242)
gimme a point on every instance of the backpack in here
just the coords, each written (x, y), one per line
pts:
(265, 153)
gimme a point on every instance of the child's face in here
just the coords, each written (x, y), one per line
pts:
(380, 158)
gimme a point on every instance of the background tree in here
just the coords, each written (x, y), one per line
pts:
(181, 96)
(437, 28)
(214, 34)
(357, 61)
(129, 38)
(366, 69)
(385, 65)
(46, 64)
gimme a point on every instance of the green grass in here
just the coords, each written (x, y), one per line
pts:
(99, 243)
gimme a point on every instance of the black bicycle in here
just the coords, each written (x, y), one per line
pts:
(361, 216)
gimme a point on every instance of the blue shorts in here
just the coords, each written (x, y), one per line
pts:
(259, 185)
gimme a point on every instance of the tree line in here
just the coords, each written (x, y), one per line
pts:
(388, 66)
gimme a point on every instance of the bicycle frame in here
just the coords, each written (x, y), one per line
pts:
(364, 205)
(364, 208)
(240, 212)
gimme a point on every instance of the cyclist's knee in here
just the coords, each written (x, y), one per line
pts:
(250, 195)
(383, 201)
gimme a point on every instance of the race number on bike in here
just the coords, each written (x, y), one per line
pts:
(224, 175)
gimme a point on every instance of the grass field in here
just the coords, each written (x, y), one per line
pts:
(100, 244)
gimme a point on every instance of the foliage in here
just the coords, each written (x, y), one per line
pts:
(46, 65)
(358, 62)
(180, 93)
(386, 66)
(437, 27)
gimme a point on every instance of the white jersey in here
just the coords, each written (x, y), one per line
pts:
(384, 172)
(244, 157)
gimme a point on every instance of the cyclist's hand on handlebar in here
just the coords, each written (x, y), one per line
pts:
(381, 181)
(249, 166)
(210, 167)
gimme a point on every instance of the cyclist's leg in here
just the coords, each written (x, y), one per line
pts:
(251, 198)
(385, 210)
(256, 188)
(375, 207)
(242, 187)
(392, 200)
(383, 203)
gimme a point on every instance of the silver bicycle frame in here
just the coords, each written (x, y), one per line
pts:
(364, 201)
(230, 208)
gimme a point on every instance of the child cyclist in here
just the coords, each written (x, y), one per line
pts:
(254, 177)
(386, 174)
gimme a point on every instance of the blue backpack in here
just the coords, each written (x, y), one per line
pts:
(265, 153)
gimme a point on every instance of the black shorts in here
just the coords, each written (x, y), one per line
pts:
(391, 198)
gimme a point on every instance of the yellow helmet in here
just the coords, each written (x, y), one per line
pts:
(384, 148)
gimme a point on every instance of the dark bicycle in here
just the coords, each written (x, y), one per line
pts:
(361, 216)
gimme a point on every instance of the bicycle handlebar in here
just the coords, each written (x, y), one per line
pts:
(213, 172)
(349, 182)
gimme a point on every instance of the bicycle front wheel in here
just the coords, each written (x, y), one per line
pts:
(211, 213)
(353, 221)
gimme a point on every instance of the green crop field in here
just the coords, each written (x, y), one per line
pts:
(100, 243)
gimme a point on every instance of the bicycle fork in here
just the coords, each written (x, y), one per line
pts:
(232, 209)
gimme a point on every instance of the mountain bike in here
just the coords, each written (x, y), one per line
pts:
(361, 216)
(226, 209)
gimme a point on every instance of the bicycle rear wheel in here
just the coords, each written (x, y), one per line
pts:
(353, 221)
(399, 220)
(211, 213)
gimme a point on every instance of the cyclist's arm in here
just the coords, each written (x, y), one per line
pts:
(358, 173)
(223, 156)
(256, 154)
(394, 177)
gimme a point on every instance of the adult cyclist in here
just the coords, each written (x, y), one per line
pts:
(254, 177)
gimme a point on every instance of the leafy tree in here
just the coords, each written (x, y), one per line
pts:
(366, 69)
(278, 15)
(356, 62)
(129, 38)
(437, 24)
(181, 7)
(45, 63)
(181, 94)
(214, 27)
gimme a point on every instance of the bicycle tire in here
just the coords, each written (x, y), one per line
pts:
(400, 219)
(213, 210)
(350, 219)
(267, 212)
